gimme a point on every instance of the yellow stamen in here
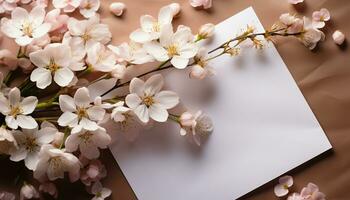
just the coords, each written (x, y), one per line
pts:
(148, 101)
(172, 50)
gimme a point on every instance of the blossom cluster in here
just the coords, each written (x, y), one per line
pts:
(54, 120)
(309, 192)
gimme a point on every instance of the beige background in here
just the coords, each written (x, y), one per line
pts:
(323, 76)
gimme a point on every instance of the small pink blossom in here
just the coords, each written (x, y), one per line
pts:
(206, 4)
(295, 1)
(338, 37)
(311, 192)
(8, 59)
(320, 17)
(281, 189)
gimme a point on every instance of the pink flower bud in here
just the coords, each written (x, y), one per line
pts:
(117, 8)
(338, 37)
(206, 30)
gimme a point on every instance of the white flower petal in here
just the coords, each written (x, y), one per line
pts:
(28, 105)
(42, 77)
(67, 103)
(96, 113)
(88, 124)
(140, 36)
(137, 86)
(167, 99)
(26, 122)
(280, 191)
(165, 15)
(179, 62)
(37, 15)
(19, 14)
(14, 96)
(154, 84)
(24, 40)
(46, 135)
(40, 58)
(142, 113)
(31, 160)
(82, 97)
(63, 76)
(147, 22)
(11, 122)
(41, 30)
(72, 142)
(158, 113)
(166, 35)
(18, 155)
(68, 119)
(157, 51)
(133, 100)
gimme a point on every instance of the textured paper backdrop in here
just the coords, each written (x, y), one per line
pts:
(323, 76)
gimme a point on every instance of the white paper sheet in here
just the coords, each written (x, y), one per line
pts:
(263, 128)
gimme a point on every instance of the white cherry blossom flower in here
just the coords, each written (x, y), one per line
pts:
(53, 61)
(132, 53)
(89, 32)
(281, 189)
(16, 110)
(148, 101)
(100, 59)
(88, 142)
(7, 141)
(66, 5)
(88, 8)
(320, 17)
(28, 192)
(53, 163)
(310, 35)
(29, 143)
(100, 192)
(199, 124)
(200, 69)
(78, 112)
(179, 47)
(24, 27)
(151, 28)
(312, 192)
